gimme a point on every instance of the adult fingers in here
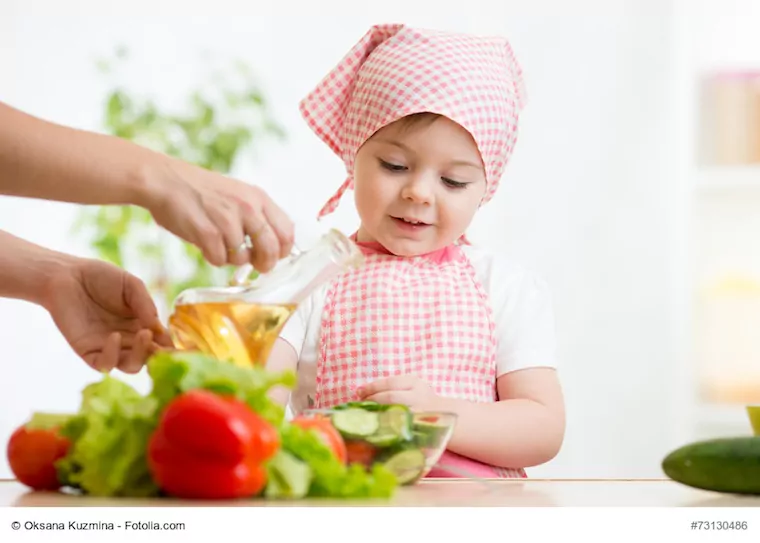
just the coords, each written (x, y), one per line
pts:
(140, 302)
(108, 357)
(132, 360)
(161, 337)
(233, 234)
(209, 239)
(266, 246)
(189, 220)
(282, 227)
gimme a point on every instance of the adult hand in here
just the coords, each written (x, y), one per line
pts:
(216, 213)
(106, 315)
(40, 159)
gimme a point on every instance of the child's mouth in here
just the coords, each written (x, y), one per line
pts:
(409, 223)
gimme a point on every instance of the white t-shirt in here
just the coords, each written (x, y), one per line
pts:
(521, 306)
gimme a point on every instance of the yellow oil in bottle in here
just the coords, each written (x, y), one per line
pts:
(239, 332)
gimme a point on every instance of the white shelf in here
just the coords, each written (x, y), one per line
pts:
(728, 178)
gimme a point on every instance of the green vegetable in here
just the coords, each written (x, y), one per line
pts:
(46, 421)
(288, 477)
(355, 422)
(110, 433)
(395, 426)
(109, 437)
(177, 372)
(392, 432)
(331, 478)
(407, 465)
(730, 465)
(367, 406)
(429, 434)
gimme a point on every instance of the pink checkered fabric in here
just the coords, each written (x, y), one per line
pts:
(425, 316)
(395, 71)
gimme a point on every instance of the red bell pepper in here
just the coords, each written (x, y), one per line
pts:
(211, 446)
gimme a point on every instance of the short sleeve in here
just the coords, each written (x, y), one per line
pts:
(523, 313)
(525, 327)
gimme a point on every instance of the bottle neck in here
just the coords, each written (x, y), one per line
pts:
(295, 278)
(292, 280)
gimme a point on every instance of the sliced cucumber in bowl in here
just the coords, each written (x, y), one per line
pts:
(407, 443)
(395, 426)
(355, 422)
(368, 406)
(407, 465)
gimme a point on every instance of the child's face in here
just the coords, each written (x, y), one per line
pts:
(428, 172)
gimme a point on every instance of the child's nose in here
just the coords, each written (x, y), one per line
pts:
(418, 189)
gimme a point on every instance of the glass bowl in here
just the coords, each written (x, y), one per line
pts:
(408, 443)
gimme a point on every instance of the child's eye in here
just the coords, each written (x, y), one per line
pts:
(392, 167)
(453, 184)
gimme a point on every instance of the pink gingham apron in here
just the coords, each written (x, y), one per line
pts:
(427, 316)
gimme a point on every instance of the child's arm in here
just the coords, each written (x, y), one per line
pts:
(287, 348)
(283, 357)
(525, 428)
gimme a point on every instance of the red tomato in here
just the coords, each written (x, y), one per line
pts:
(360, 452)
(330, 436)
(217, 426)
(181, 474)
(32, 455)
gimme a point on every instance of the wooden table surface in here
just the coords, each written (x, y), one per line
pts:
(447, 493)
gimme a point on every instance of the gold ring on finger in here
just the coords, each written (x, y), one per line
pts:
(242, 247)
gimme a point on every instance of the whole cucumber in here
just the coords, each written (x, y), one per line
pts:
(730, 465)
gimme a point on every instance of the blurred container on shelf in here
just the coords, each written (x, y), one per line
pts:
(727, 339)
(730, 117)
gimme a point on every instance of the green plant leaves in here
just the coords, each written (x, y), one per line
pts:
(209, 129)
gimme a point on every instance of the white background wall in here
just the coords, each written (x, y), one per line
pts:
(591, 200)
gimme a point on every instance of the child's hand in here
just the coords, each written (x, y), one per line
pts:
(409, 390)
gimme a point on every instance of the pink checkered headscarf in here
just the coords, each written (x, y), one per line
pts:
(395, 71)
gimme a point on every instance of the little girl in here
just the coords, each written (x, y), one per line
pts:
(425, 122)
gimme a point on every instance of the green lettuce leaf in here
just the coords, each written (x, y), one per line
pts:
(110, 433)
(47, 421)
(331, 478)
(176, 372)
(109, 439)
(287, 477)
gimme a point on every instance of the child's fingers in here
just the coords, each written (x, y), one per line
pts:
(397, 382)
(390, 397)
